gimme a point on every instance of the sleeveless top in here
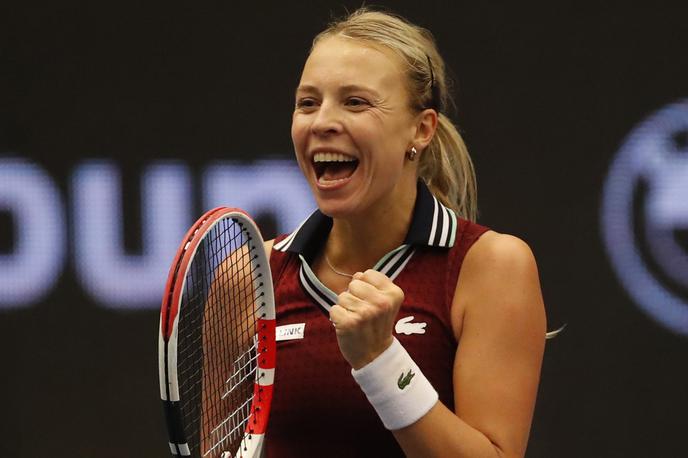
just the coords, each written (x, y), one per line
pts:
(318, 410)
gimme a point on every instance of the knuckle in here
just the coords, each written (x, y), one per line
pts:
(400, 294)
(354, 285)
(365, 315)
(383, 302)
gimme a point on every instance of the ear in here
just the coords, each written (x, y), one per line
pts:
(426, 125)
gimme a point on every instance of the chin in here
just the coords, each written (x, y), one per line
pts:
(338, 208)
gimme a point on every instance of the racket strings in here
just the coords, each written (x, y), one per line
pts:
(217, 332)
(244, 367)
(232, 427)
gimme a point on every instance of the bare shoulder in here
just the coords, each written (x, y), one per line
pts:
(500, 254)
(268, 247)
(499, 277)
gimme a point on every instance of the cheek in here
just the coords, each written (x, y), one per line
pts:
(298, 138)
(294, 132)
(298, 131)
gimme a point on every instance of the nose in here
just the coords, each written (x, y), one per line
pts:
(327, 120)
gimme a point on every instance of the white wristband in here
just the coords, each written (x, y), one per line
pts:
(396, 387)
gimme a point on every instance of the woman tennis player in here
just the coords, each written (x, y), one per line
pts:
(403, 326)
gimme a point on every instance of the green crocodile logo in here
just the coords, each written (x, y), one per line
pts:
(404, 380)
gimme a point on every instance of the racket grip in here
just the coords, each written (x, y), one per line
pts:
(173, 415)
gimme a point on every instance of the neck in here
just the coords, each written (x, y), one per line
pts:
(357, 243)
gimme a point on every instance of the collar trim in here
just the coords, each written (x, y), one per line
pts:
(391, 265)
(432, 224)
(321, 294)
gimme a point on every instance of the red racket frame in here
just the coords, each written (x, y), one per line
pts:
(254, 433)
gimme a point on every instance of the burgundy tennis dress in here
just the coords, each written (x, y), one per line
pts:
(318, 409)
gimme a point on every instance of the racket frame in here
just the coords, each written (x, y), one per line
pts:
(254, 434)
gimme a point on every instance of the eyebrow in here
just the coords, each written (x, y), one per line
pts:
(305, 88)
(347, 88)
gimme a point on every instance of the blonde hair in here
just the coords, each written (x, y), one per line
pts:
(445, 165)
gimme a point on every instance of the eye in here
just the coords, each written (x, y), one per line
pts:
(305, 103)
(357, 102)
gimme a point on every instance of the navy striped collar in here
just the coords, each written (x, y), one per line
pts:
(432, 224)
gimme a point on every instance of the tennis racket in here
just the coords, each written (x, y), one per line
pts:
(216, 348)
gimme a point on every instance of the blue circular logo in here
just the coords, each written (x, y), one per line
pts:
(644, 216)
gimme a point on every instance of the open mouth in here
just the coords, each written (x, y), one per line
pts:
(332, 167)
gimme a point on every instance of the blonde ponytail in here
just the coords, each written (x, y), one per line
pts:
(447, 169)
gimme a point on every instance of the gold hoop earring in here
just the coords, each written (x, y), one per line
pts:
(411, 155)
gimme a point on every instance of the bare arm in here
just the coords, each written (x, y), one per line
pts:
(268, 247)
(499, 313)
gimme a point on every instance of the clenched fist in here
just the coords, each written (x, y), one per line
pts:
(364, 316)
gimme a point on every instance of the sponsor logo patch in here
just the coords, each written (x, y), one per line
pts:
(290, 331)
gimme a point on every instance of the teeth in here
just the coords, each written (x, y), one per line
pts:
(332, 157)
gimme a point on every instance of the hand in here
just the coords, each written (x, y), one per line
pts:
(364, 316)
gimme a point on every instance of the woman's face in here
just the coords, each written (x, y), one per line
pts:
(352, 127)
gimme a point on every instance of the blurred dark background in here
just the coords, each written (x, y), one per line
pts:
(548, 96)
